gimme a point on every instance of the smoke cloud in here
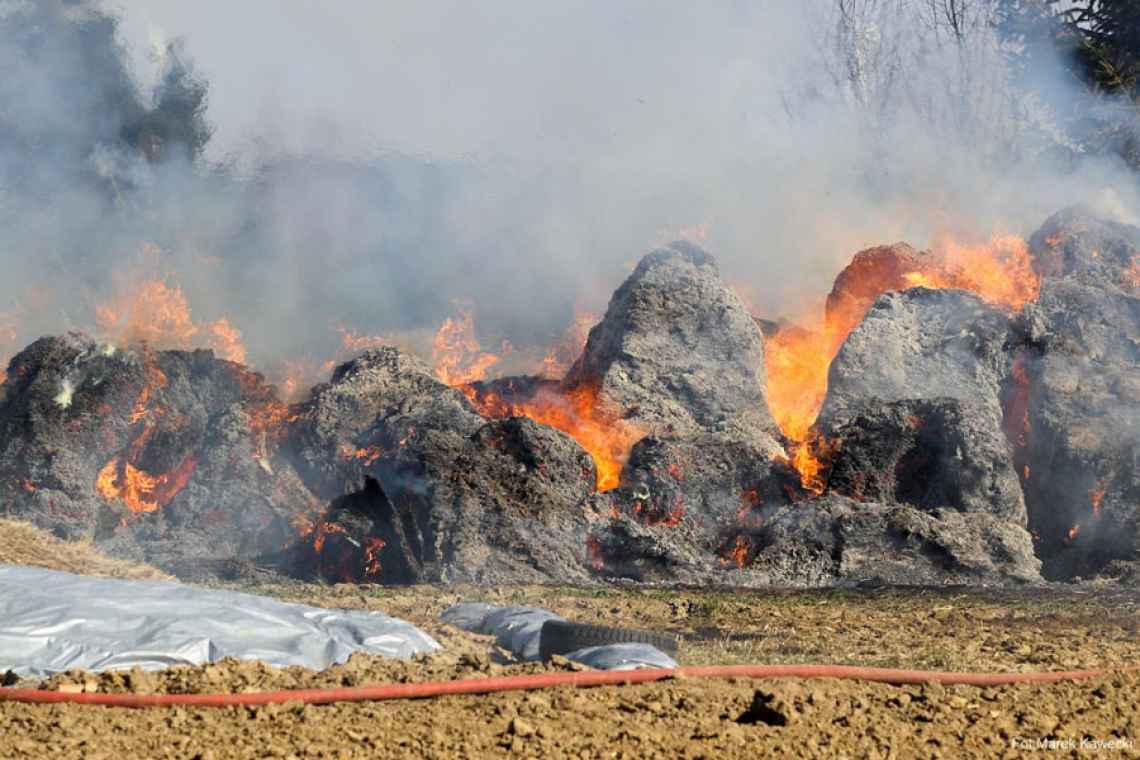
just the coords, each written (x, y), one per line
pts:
(372, 164)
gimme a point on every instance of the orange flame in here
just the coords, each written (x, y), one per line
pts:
(797, 359)
(365, 456)
(155, 379)
(325, 529)
(1000, 271)
(460, 361)
(459, 357)
(1132, 274)
(808, 458)
(607, 438)
(797, 362)
(372, 567)
(141, 492)
(738, 553)
(269, 418)
(120, 479)
(1096, 497)
(159, 315)
(295, 376)
(560, 357)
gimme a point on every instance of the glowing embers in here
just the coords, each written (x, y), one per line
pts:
(122, 479)
(809, 457)
(346, 543)
(653, 512)
(739, 552)
(1096, 498)
(1132, 274)
(339, 557)
(740, 547)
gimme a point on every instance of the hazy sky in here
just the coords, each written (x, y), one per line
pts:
(658, 116)
(522, 79)
(532, 153)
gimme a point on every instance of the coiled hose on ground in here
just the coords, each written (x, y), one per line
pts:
(549, 680)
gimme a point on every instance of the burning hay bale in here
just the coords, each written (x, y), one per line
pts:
(163, 456)
(438, 492)
(871, 273)
(678, 352)
(374, 407)
(678, 499)
(914, 406)
(1080, 376)
(922, 343)
(950, 421)
(1075, 243)
(679, 356)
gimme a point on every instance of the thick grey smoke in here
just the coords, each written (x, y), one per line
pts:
(373, 163)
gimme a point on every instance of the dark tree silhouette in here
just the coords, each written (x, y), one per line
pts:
(1099, 43)
(1107, 34)
(68, 100)
(176, 124)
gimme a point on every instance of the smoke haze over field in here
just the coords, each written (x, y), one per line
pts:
(372, 163)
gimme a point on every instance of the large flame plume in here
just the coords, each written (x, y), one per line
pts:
(797, 358)
(158, 314)
(459, 356)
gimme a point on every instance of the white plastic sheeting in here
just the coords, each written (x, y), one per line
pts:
(516, 629)
(52, 621)
(519, 629)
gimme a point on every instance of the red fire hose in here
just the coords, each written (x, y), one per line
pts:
(547, 680)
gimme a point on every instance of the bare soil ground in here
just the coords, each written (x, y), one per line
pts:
(1034, 629)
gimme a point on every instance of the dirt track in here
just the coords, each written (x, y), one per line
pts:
(1043, 629)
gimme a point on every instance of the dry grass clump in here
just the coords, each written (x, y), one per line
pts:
(22, 543)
